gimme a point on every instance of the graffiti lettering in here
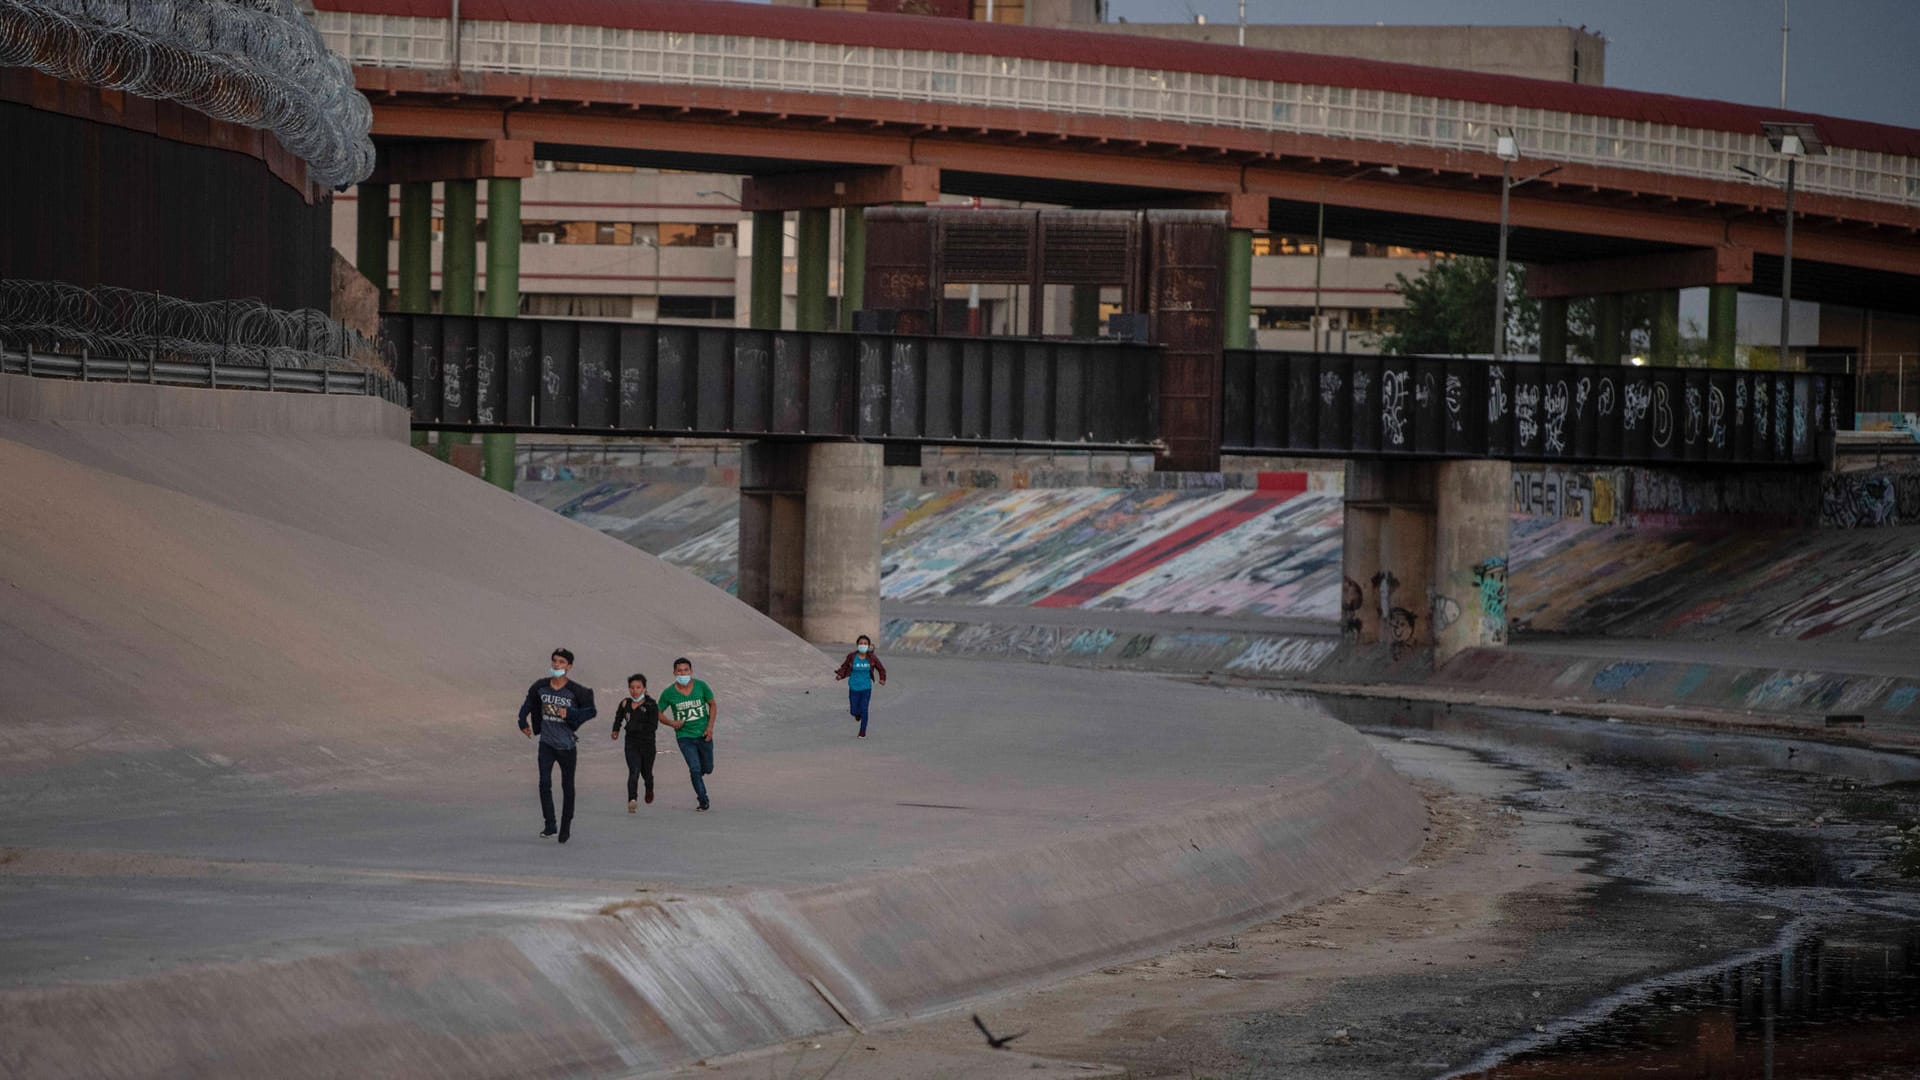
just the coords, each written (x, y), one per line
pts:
(1496, 394)
(1696, 416)
(1393, 398)
(1555, 403)
(1526, 405)
(1639, 397)
(1329, 388)
(1605, 405)
(1717, 418)
(1662, 416)
(1455, 392)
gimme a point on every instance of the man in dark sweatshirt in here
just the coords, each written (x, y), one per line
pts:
(556, 707)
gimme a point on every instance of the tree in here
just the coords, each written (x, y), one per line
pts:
(1449, 312)
(1448, 309)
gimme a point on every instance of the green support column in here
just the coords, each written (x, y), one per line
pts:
(503, 246)
(769, 252)
(1236, 296)
(1606, 329)
(375, 232)
(1666, 327)
(853, 263)
(1086, 311)
(503, 299)
(810, 279)
(1723, 314)
(457, 250)
(416, 249)
(1553, 330)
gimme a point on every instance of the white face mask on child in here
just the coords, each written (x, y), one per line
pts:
(862, 649)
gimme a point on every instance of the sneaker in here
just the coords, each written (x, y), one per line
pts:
(702, 806)
(563, 836)
(649, 794)
(632, 807)
(547, 833)
(862, 735)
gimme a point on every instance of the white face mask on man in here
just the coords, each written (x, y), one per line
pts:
(557, 673)
(683, 680)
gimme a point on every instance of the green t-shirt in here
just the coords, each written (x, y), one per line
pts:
(692, 707)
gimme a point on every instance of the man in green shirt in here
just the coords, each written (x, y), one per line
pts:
(687, 708)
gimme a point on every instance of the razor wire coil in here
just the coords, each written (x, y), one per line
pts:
(56, 317)
(257, 63)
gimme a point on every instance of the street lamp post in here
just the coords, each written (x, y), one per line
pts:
(1507, 149)
(1793, 141)
(1320, 240)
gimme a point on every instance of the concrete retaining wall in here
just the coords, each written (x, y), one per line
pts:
(138, 404)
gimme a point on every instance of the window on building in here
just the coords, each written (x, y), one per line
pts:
(704, 235)
(576, 306)
(696, 307)
(1266, 243)
(1284, 318)
(576, 232)
(1364, 250)
(588, 166)
(1367, 319)
(1004, 11)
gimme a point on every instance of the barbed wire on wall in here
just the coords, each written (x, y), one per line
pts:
(105, 321)
(258, 63)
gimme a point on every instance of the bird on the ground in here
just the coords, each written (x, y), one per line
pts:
(997, 1043)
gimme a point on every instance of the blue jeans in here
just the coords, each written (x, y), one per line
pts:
(858, 702)
(699, 755)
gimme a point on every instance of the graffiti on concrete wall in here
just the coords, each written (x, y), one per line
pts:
(1567, 493)
(1351, 599)
(1490, 578)
(1405, 628)
(1870, 499)
(1875, 598)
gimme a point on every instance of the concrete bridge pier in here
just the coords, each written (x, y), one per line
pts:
(810, 536)
(1424, 561)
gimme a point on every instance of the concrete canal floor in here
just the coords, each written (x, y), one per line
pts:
(1592, 899)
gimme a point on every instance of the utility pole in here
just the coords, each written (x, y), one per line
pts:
(1783, 53)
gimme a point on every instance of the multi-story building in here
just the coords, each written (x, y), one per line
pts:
(603, 241)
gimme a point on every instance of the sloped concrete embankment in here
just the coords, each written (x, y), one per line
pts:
(633, 986)
(266, 617)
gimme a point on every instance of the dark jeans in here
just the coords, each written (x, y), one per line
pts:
(639, 767)
(567, 759)
(857, 703)
(699, 755)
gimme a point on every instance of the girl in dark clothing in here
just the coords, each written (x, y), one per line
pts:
(862, 668)
(641, 716)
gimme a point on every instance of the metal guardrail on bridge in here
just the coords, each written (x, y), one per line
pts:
(1438, 407)
(478, 373)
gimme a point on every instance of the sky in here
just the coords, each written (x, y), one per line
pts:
(1858, 59)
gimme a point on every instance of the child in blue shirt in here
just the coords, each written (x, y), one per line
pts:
(861, 667)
